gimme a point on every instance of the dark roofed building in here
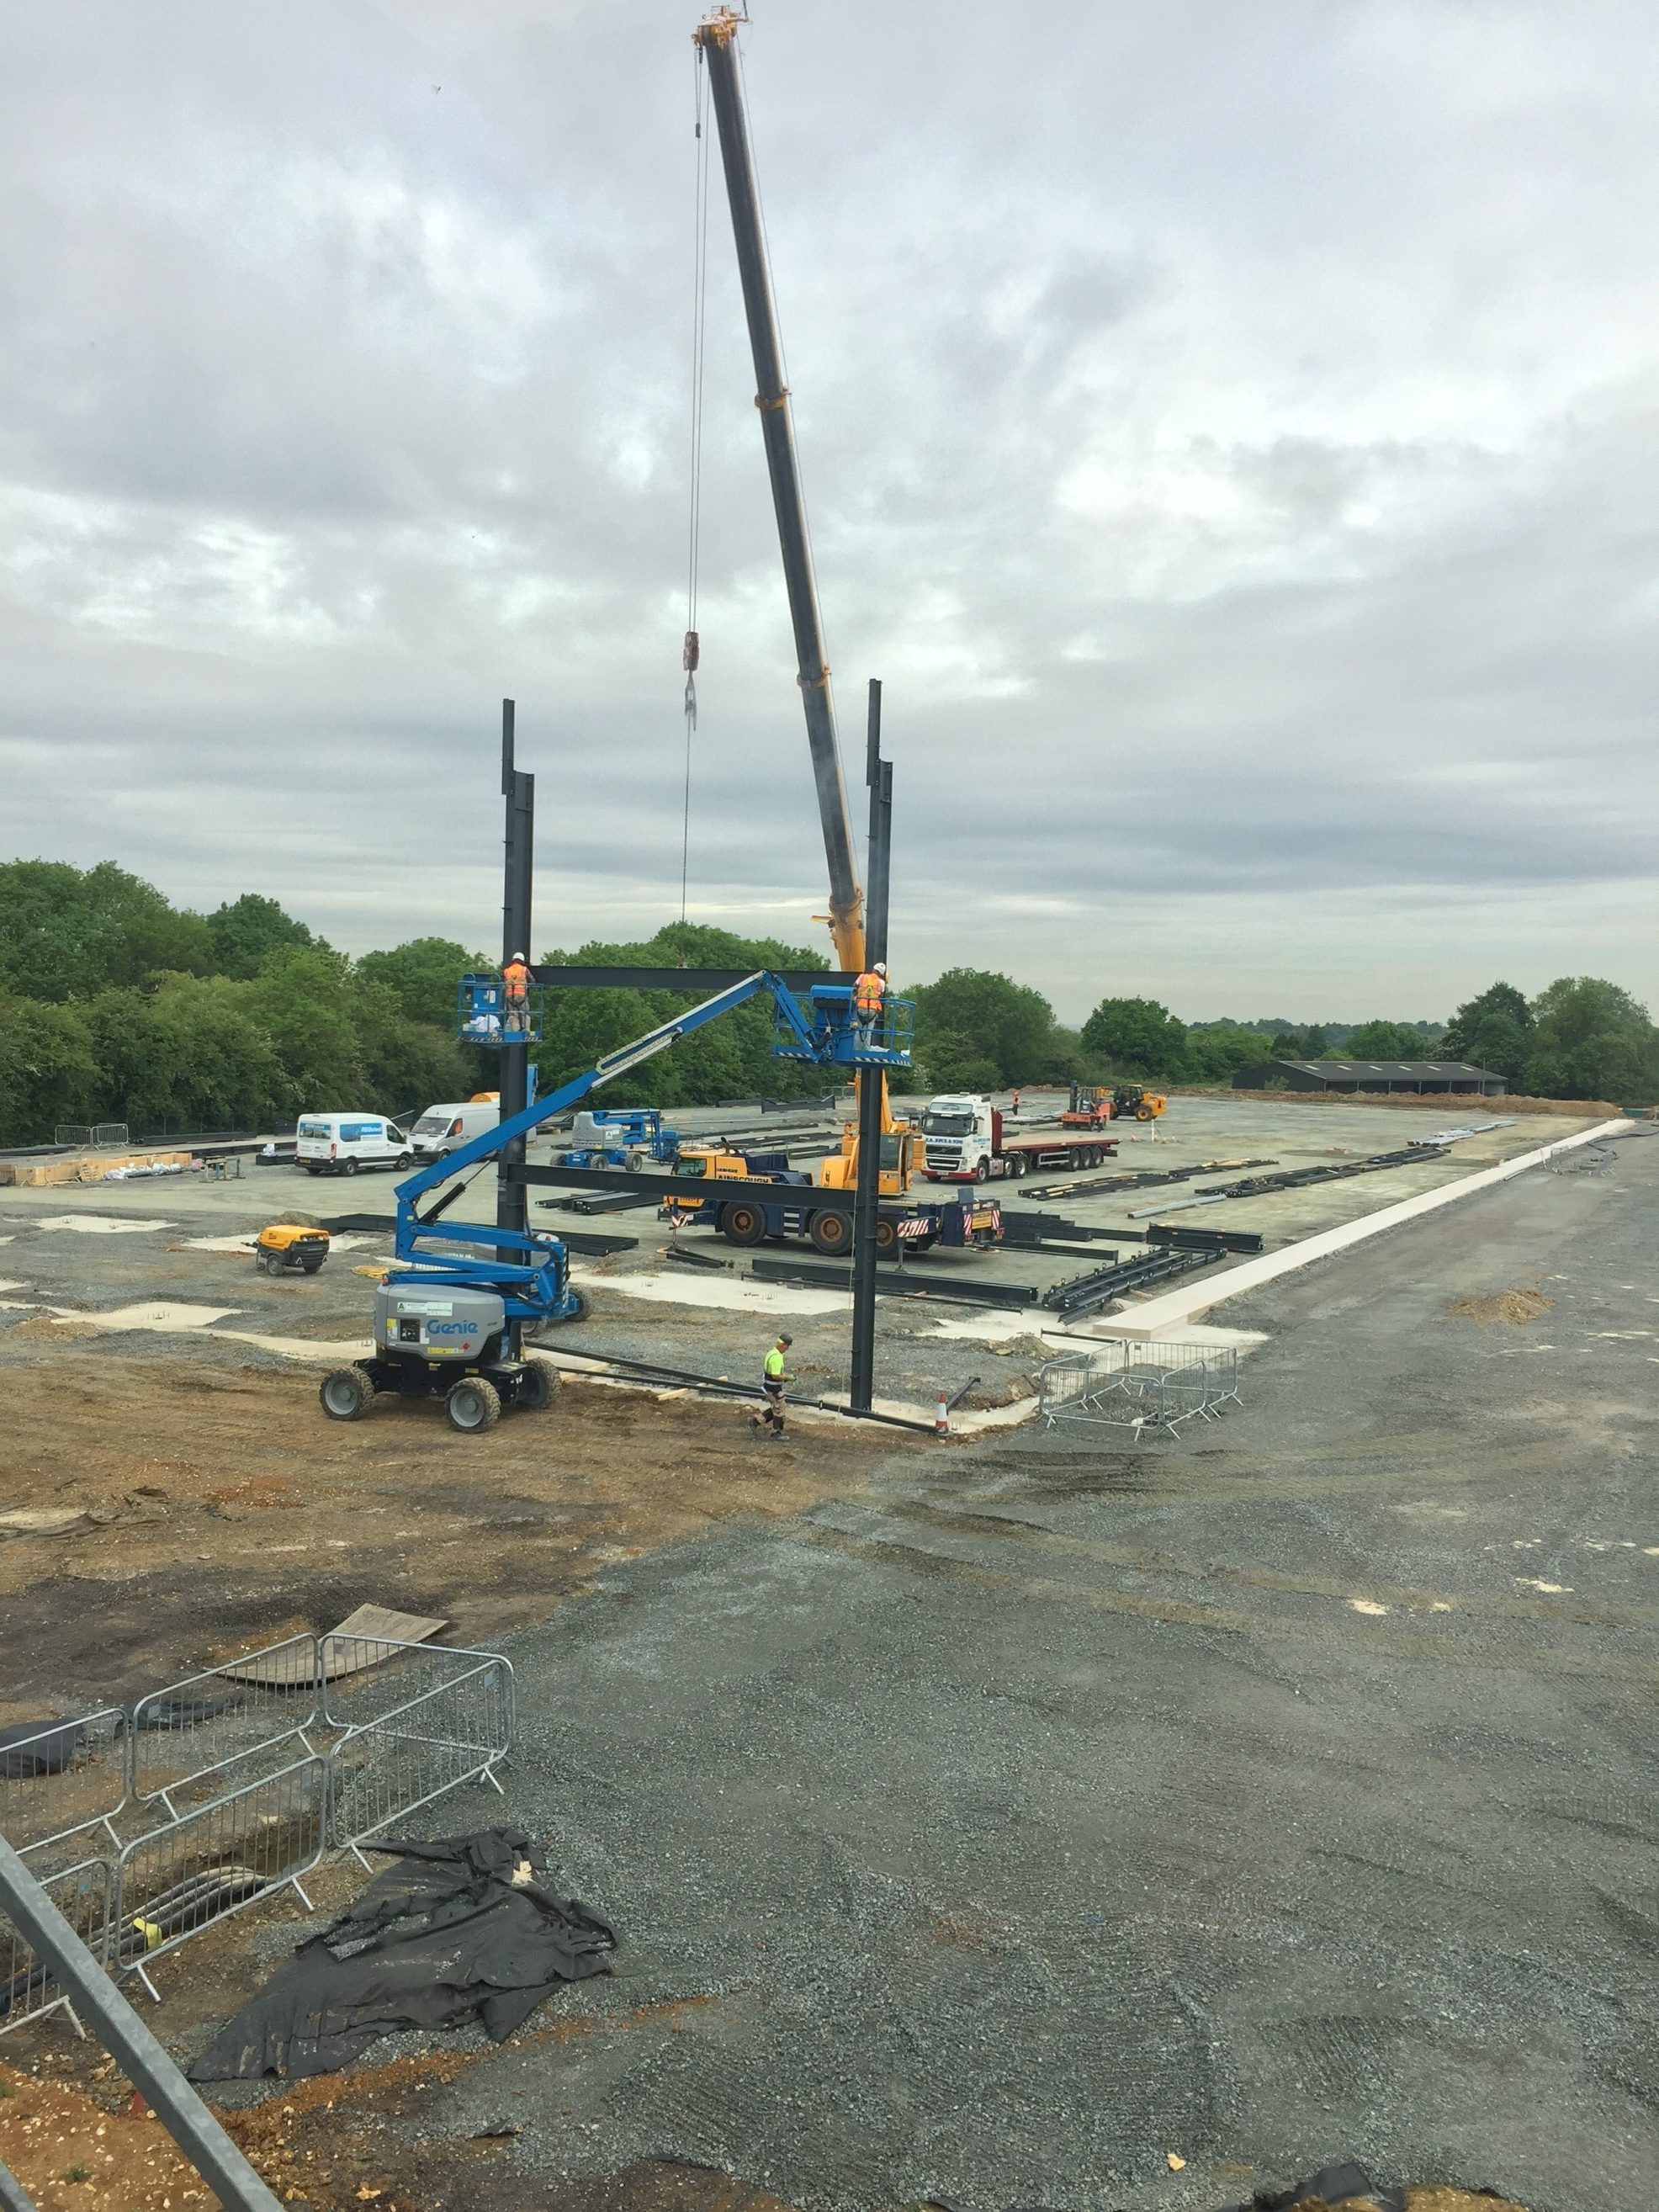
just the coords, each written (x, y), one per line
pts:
(1421, 1075)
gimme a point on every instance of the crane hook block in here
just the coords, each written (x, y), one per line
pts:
(692, 654)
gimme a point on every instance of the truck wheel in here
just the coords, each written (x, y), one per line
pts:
(745, 1223)
(346, 1394)
(472, 1404)
(538, 1386)
(347, 1167)
(982, 1172)
(833, 1232)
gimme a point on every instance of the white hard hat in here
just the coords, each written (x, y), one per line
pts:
(881, 967)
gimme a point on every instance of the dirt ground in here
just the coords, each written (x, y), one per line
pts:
(220, 1510)
(79, 2141)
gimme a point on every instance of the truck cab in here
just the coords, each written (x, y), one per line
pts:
(960, 1136)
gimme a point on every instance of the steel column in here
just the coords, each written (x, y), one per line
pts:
(872, 1082)
(518, 791)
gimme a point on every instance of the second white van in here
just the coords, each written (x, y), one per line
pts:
(441, 1128)
(340, 1144)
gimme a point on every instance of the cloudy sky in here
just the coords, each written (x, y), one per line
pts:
(1231, 432)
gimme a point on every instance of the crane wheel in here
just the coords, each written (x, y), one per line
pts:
(538, 1386)
(887, 1235)
(346, 1394)
(472, 1404)
(745, 1224)
(833, 1232)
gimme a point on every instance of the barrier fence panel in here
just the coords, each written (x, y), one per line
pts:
(1141, 1386)
(192, 1871)
(414, 1728)
(214, 1731)
(83, 1895)
(61, 1788)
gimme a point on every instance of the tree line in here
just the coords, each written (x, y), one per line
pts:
(116, 1006)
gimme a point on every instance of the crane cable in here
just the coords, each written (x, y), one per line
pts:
(692, 651)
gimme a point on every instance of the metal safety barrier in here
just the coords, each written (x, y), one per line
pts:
(1139, 1387)
(84, 1894)
(62, 1788)
(214, 1730)
(231, 1784)
(438, 1717)
(188, 1871)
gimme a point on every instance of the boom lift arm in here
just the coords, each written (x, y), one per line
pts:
(534, 1286)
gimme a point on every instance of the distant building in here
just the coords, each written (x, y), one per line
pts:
(1421, 1075)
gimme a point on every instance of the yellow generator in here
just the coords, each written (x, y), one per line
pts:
(290, 1248)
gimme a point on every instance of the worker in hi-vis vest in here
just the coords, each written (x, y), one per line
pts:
(868, 994)
(515, 986)
(773, 1376)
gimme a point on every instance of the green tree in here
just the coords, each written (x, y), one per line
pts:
(424, 976)
(1138, 1035)
(1216, 1053)
(246, 932)
(1381, 1040)
(1495, 1030)
(303, 1002)
(982, 1032)
(64, 934)
(188, 1054)
(1592, 1040)
(48, 1069)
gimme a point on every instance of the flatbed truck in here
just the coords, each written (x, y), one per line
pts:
(964, 1139)
(750, 1197)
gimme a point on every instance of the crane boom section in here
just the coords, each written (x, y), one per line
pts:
(716, 36)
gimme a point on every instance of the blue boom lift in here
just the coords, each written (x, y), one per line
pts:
(451, 1323)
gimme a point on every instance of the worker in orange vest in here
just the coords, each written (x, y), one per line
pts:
(515, 985)
(868, 993)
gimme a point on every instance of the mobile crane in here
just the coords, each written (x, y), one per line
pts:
(716, 40)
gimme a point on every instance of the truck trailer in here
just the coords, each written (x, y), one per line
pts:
(963, 1140)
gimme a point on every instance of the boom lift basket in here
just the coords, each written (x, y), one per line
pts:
(481, 1014)
(840, 1039)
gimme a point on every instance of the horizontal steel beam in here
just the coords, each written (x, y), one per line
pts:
(696, 982)
(897, 1282)
(685, 1187)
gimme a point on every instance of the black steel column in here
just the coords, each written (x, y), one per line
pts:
(518, 791)
(878, 774)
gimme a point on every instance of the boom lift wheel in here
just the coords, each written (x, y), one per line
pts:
(538, 1386)
(472, 1404)
(832, 1232)
(346, 1394)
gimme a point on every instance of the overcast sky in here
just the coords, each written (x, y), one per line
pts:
(1231, 432)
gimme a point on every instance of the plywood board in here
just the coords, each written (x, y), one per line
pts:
(284, 1670)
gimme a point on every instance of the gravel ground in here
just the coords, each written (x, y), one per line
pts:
(1263, 1799)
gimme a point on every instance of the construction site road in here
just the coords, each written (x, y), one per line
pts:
(1049, 1810)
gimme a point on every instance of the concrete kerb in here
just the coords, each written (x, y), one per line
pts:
(1178, 1307)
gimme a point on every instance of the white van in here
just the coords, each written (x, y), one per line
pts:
(340, 1144)
(441, 1128)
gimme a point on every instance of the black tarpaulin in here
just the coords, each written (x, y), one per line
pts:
(459, 1929)
(1346, 2188)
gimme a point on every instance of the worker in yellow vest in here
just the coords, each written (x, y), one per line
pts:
(515, 987)
(868, 995)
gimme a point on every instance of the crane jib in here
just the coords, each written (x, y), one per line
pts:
(715, 37)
